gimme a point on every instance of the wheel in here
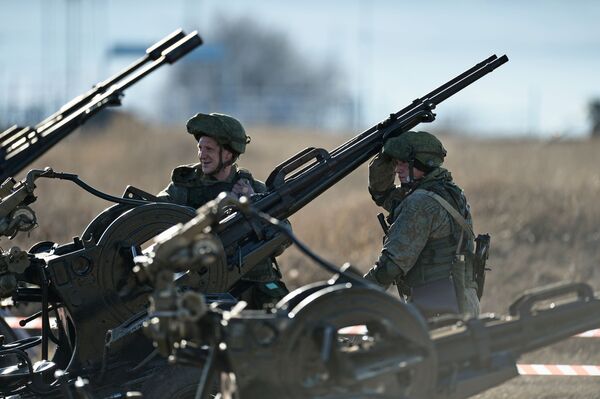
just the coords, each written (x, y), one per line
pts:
(114, 268)
(94, 230)
(292, 299)
(105, 292)
(396, 356)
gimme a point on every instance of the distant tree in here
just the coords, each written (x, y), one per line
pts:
(258, 75)
(594, 113)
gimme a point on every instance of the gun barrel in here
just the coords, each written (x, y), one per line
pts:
(347, 157)
(21, 146)
(418, 100)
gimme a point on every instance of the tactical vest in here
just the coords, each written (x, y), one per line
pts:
(439, 259)
(198, 190)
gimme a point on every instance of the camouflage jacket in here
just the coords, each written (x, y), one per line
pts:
(416, 220)
(190, 187)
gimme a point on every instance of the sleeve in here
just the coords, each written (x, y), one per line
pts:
(408, 235)
(381, 183)
(258, 186)
(173, 194)
(405, 241)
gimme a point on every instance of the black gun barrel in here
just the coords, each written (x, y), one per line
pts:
(21, 146)
(152, 53)
(346, 158)
(419, 100)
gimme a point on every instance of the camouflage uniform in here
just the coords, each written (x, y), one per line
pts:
(191, 187)
(422, 240)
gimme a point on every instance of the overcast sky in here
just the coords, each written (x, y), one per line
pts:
(391, 51)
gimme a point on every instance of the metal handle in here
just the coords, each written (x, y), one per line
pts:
(522, 307)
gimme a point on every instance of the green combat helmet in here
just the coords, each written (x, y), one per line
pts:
(227, 130)
(411, 146)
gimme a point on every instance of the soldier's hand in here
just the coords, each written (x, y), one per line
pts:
(372, 277)
(381, 173)
(243, 188)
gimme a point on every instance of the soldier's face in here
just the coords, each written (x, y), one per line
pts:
(401, 169)
(211, 155)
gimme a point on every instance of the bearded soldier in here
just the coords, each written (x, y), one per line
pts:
(428, 248)
(221, 140)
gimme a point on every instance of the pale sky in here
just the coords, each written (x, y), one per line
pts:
(391, 51)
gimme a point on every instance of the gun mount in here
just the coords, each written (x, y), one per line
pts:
(300, 349)
(89, 287)
(20, 146)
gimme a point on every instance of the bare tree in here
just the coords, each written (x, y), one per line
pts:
(258, 75)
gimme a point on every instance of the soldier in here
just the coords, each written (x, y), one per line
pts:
(427, 251)
(221, 140)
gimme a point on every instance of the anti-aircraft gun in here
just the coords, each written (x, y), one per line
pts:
(89, 284)
(20, 146)
(301, 348)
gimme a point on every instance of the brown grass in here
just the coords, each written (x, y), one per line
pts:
(537, 199)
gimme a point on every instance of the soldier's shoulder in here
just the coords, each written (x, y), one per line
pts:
(257, 185)
(243, 173)
(419, 200)
(184, 173)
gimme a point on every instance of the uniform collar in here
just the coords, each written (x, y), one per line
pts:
(435, 176)
(206, 178)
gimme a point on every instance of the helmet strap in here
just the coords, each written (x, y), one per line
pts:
(222, 165)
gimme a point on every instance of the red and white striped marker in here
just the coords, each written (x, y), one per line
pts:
(353, 330)
(362, 330)
(558, 369)
(589, 334)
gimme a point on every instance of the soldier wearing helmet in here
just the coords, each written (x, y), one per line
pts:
(221, 140)
(427, 251)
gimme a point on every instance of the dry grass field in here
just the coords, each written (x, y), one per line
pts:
(537, 199)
